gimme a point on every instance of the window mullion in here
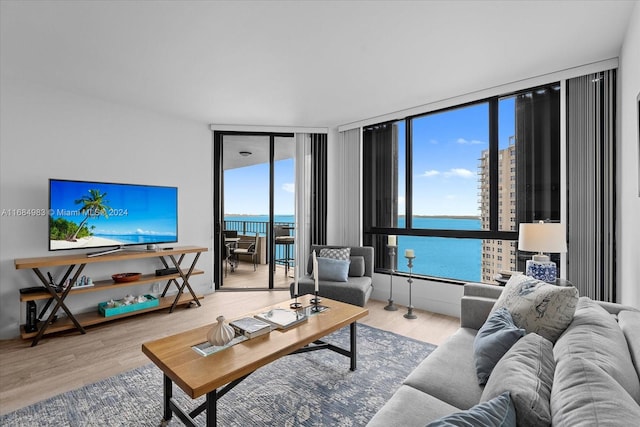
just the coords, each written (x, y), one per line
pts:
(493, 164)
(409, 174)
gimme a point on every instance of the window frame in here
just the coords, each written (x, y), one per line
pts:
(493, 233)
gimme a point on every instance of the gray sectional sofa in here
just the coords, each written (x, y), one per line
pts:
(592, 371)
(358, 287)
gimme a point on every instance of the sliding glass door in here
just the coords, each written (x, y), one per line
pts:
(254, 210)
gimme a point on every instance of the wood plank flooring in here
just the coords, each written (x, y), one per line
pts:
(65, 362)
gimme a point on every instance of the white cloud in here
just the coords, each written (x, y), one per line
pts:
(430, 173)
(460, 172)
(289, 187)
(470, 142)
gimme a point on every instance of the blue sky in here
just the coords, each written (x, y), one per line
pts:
(247, 189)
(447, 147)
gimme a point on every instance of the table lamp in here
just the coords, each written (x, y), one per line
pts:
(542, 237)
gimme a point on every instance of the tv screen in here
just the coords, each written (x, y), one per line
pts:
(84, 214)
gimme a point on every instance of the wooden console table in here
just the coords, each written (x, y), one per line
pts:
(75, 265)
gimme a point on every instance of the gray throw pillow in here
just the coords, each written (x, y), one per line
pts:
(595, 335)
(356, 268)
(493, 340)
(537, 306)
(585, 395)
(526, 372)
(498, 412)
(333, 270)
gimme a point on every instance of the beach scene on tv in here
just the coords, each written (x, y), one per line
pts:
(92, 214)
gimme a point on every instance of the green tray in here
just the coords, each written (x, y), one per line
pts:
(114, 311)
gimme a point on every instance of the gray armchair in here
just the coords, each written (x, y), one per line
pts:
(358, 287)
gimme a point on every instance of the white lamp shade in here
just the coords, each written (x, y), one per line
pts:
(542, 237)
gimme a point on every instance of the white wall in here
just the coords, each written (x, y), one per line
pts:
(628, 230)
(47, 133)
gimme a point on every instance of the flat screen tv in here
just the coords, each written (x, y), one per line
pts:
(85, 214)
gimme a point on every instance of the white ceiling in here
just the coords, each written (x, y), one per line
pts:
(307, 63)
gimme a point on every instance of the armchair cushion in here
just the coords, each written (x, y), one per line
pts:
(335, 270)
(356, 267)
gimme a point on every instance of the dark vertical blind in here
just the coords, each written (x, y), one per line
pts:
(318, 189)
(537, 128)
(538, 154)
(380, 182)
(591, 184)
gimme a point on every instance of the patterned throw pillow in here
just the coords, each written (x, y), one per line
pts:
(335, 253)
(537, 306)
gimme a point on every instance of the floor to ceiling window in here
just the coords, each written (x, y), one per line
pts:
(254, 202)
(453, 184)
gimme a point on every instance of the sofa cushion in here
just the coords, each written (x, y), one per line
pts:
(409, 407)
(497, 412)
(335, 270)
(449, 372)
(583, 394)
(494, 338)
(537, 306)
(629, 322)
(356, 267)
(335, 253)
(526, 372)
(595, 335)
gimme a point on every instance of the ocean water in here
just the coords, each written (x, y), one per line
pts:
(450, 258)
(127, 239)
(458, 259)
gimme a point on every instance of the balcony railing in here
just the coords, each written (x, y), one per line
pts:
(249, 228)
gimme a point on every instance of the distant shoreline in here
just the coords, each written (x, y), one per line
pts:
(444, 216)
(399, 216)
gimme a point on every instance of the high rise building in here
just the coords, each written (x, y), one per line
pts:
(498, 255)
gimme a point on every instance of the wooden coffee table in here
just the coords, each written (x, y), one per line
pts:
(218, 373)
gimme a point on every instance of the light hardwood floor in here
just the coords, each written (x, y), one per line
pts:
(66, 362)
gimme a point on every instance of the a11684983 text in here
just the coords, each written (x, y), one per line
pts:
(25, 212)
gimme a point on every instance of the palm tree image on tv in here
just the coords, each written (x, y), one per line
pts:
(93, 206)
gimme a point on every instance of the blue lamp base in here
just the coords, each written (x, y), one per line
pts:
(542, 270)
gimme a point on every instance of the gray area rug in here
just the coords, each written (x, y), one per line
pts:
(309, 389)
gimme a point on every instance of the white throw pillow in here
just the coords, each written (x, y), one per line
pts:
(537, 306)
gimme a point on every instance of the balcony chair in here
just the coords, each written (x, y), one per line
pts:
(230, 243)
(285, 242)
(247, 248)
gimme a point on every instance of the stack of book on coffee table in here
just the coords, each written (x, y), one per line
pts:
(281, 318)
(250, 327)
